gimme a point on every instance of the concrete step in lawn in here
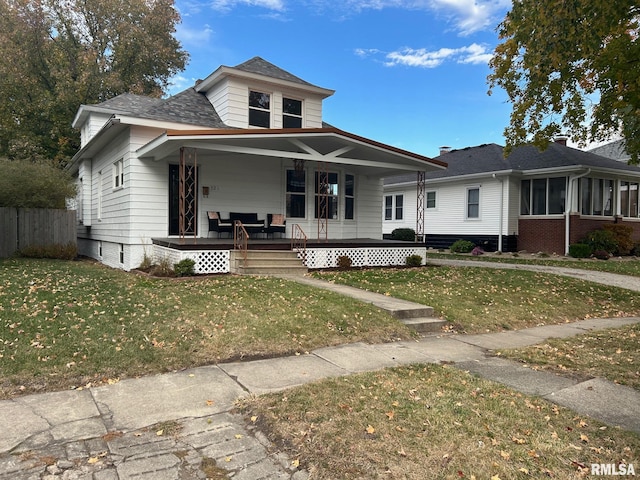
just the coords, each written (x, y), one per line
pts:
(267, 262)
(419, 318)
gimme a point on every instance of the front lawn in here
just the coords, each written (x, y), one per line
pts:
(478, 300)
(65, 324)
(431, 421)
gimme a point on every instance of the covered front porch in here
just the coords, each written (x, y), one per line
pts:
(213, 255)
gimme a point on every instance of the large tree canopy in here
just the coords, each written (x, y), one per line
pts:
(570, 66)
(58, 54)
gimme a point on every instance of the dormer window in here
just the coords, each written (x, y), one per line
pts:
(259, 109)
(291, 113)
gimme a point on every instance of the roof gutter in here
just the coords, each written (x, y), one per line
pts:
(568, 203)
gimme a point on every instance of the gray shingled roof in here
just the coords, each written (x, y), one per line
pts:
(615, 150)
(489, 159)
(188, 107)
(262, 67)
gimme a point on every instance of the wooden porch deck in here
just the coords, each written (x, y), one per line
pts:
(201, 243)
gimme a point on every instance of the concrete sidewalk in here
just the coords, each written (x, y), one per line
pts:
(172, 426)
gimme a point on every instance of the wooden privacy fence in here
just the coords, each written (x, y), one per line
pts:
(23, 227)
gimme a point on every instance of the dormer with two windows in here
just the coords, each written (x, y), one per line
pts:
(257, 94)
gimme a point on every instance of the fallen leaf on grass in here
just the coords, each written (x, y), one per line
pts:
(371, 430)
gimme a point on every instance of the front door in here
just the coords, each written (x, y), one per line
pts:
(190, 199)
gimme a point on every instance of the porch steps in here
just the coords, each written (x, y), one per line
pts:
(267, 262)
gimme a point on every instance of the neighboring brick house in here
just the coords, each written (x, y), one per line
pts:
(519, 202)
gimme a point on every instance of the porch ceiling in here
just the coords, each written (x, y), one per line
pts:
(328, 145)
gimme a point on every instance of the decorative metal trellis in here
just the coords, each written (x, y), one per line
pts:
(420, 207)
(188, 193)
(322, 209)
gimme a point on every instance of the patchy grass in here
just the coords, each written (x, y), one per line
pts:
(621, 265)
(408, 422)
(65, 324)
(478, 300)
(613, 354)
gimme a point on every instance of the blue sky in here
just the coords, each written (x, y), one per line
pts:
(408, 73)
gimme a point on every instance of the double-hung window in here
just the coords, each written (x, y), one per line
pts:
(326, 204)
(118, 174)
(473, 202)
(349, 197)
(431, 199)
(259, 109)
(296, 194)
(393, 207)
(291, 113)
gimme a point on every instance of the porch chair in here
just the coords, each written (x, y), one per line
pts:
(276, 223)
(218, 224)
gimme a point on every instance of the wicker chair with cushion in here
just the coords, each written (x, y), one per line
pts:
(218, 224)
(276, 223)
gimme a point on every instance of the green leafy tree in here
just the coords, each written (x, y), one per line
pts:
(58, 54)
(24, 183)
(570, 67)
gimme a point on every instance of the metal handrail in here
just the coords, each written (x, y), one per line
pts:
(299, 241)
(240, 239)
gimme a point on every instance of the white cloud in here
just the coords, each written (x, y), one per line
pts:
(193, 36)
(224, 5)
(471, 16)
(423, 58)
(468, 16)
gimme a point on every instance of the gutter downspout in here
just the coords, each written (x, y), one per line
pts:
(569, 203)
(501, 211)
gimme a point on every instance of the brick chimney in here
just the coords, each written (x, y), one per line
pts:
(444, 149)
(561, 139)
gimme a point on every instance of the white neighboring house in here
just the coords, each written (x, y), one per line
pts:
(532, 200)
(249, 138)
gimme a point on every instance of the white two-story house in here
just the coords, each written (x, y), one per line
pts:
(249, 139)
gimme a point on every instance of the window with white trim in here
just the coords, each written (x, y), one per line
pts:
(118, 174)
(349, 196)
(259, 109)
(629, 199)
(291, 113)
(596, 196)
(473, 203)
(543, 196)
(430, 199)
(393, 207)
(326, 195)
(296, 194)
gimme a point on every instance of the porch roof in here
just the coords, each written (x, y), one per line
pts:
(329, 145)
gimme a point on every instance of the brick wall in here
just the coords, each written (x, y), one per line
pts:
(547, 234)
(541, 235)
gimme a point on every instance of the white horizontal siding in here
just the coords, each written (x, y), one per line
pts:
(449, 216)
(219, 98)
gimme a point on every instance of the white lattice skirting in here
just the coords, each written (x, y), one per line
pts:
(217, 261)
(362, 256)
(207, 261)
